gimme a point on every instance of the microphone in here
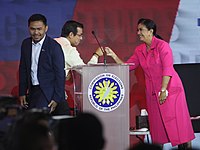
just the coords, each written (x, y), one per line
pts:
(104, 53)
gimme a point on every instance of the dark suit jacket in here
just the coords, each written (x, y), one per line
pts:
(51, 74)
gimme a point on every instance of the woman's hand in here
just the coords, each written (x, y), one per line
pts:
(110, 52)
(163, 96)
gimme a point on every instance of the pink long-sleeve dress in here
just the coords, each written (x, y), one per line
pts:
(169, 122)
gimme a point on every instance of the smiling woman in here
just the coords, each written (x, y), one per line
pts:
(165, 96)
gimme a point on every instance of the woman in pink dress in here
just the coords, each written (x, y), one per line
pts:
(168, 114)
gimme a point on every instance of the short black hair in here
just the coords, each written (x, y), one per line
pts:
(37, 17)
(70, 26)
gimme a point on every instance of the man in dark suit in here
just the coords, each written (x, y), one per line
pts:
(41, 69)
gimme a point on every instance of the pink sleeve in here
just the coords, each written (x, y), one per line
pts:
(133, 61)
(167, 59)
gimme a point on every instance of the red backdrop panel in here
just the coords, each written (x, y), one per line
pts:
(114, 23)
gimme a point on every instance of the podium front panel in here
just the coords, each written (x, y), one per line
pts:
(105, 93)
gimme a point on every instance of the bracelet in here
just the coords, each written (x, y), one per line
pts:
(96, 54)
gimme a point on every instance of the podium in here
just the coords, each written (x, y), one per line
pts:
(104, 91)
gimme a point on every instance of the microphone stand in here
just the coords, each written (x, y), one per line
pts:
(104, 53)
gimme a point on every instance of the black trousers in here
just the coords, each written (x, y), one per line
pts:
(37, 99)
(62, 109)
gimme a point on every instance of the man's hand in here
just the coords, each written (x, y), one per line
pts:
(69, 76)
(99, 51)
(52, 106)
(23, 101)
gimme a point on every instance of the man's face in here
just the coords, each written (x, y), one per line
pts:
(37, 30)
(76, 39)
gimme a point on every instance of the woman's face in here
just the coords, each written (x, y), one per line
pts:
(143, 33)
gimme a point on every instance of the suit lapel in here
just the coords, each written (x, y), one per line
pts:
(43, 51)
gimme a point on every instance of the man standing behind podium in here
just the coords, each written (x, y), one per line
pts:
(41, 69)
(71, 36)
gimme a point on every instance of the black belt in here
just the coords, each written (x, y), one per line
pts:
(35, 86)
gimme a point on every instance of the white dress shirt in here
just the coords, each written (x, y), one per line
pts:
(36, 49)
(71, 54)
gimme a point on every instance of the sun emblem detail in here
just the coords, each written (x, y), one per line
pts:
(106, 92)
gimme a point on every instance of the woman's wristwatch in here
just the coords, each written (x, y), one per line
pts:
(164, 90)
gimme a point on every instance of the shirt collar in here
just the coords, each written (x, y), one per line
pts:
(67, 42)
(153, 43)
(40, 42)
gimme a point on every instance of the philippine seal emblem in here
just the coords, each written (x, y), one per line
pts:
(106, 92)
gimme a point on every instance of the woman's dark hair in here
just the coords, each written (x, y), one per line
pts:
(70, 26)
(150, 24)
(37, 17)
